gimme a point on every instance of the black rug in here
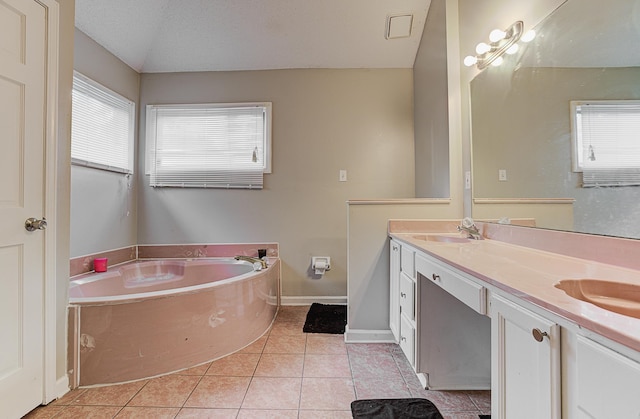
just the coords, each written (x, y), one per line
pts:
(394, 409)
(484, 416)
(326, 318)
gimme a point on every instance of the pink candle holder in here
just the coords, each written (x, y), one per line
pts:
(100, 264)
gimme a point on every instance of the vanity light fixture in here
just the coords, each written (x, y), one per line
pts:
(500, 42)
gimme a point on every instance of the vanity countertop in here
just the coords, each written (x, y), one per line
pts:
(530, 274)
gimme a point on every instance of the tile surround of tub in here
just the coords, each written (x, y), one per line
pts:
(205, 250)
(84, 264)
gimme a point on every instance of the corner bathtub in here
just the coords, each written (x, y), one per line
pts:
(148, 318)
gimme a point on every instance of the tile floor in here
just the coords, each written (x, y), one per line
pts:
(284, 374)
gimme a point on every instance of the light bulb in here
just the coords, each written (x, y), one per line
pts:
(512, 49)
(497, 62)
(470, 60)
(482, 48)
(528, 36)
(497, 35)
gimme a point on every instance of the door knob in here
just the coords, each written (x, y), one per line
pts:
(32, 224)
(539, 335)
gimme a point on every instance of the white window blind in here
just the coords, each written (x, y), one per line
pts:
(102, 127)
(606, 142)
(209, 145)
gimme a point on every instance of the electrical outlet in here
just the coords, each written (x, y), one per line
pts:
(467, 180)
(343, 175)
(502, 175)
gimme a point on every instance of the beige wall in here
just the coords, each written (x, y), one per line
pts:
(103, 204)
(323, 121)
(430, 107)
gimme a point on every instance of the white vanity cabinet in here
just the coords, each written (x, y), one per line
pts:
(607, 383)
(402, 305)
(525, 358)
(394, 289)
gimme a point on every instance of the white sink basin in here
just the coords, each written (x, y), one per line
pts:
(442, 238)
(619, 297)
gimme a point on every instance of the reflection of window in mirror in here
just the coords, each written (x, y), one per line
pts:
(606, 143)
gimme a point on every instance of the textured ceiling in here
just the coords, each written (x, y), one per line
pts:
(216, 35)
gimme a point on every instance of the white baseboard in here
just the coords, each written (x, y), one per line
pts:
(368, 336)
(307, 301)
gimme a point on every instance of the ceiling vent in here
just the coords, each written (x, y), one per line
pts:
(399, 26)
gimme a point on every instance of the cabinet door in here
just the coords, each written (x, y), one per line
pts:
(408, 340)
(608, 383)
(525, 363)
(394, 289)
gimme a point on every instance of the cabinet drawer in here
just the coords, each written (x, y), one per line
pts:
(407, 296)
(408, 339)
(472, 294)
(407, 261)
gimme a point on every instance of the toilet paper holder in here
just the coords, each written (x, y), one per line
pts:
(320, 264)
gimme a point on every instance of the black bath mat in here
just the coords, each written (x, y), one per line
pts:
(394, 409)
(326, 318)
(484, 416)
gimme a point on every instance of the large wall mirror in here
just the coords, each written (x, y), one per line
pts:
(586, 50)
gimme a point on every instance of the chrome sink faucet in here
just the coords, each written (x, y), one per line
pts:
(263, 263)
(469, 227)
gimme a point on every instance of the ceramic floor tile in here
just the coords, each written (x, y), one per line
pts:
(273, 393)
(88, 412)
(235, 365)
(481, 398)
(197, 370)
(371, 348)
(148, 413)
(219, 392)
(318, 343)
(287, 328)
(381, 388)
(451, 401)
(374, 366)
(285, 344)
(325, 414)
(167, 391)
(256, 347)
(267, 414)
(44, 412)
(280, 365)
(116, 395)
(195, 413)
(327, 394)
(326, 366)
(460, 415)
(292, 313)
(69, 397)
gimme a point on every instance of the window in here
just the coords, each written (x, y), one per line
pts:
(606, 142)
(102, 127)
(209, 145)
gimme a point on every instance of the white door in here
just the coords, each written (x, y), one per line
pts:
(22, 126)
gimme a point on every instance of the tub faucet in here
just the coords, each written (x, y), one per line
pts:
(469, 227)
(263, 263)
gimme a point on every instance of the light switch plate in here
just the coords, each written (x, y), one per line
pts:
(502, 175)
(343, 175)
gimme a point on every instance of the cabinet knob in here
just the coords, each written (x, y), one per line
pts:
(402, 338)
(538, 334)
(395, 247)
(403, 295)
(435, 277)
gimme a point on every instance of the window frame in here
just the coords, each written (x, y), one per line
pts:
(604, 175)
(131, 109)
(151, 122)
